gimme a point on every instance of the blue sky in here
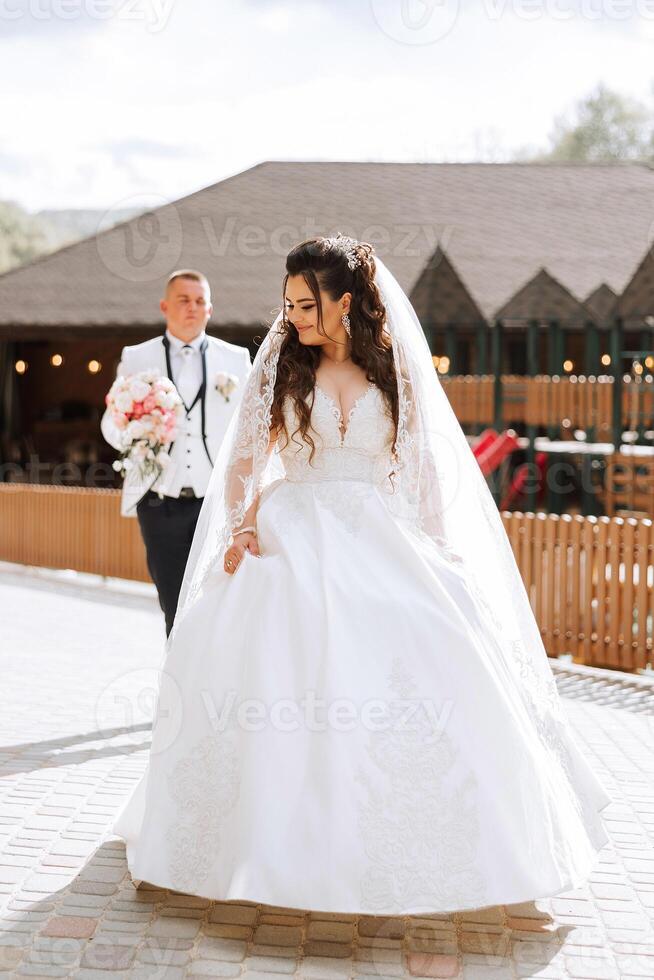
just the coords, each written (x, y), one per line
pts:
(117, 103)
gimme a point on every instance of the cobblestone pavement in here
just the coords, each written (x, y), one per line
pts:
(74, 740)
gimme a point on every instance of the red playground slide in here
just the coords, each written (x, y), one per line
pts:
(484, 441)
(520, 478)
(492, 448)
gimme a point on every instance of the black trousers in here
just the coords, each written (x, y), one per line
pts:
(167, 525)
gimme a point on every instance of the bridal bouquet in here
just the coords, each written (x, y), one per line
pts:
(146, 408)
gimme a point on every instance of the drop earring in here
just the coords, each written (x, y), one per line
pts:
(345, 320)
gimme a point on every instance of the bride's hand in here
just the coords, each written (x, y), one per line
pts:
(247, 541)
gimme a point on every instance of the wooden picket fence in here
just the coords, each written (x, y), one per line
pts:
(628, 485)
(572, 402)
(566, 402)
(590, 580)
(70, 527)
(471, 396)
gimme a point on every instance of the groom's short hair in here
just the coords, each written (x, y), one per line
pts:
(188, 274)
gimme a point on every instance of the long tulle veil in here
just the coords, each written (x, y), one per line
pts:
(440, 496)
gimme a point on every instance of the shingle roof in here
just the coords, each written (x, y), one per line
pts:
(544, 298)
(440, 297)
(637, 300)
(601, 303)
(498, 223)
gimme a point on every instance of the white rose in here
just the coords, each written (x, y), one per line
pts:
(169, 400)
(226, 383)
(135, 429)
(138, 389)
(123, 401)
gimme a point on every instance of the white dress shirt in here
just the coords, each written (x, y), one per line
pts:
(192, 467)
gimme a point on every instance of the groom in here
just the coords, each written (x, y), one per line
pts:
(168, 505)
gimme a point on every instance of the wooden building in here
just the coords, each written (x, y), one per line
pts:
(475, 245)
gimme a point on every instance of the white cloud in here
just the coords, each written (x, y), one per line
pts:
(187, 94)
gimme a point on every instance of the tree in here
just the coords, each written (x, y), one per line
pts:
(22, 236)
(609, 126)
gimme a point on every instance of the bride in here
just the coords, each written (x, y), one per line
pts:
(356, 713)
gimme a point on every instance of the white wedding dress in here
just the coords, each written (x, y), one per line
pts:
(333, 730)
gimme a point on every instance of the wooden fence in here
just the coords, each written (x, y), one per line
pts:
(70, 527)
(471, 396)
(589, 579)
(572, 403)
(568, 402)
(628, 485)
(590, 584)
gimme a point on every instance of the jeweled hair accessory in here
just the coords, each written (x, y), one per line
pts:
(349, 246)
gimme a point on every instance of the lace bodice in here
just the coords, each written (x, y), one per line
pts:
(362, 452)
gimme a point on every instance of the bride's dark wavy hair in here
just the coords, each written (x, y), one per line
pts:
(323, 262)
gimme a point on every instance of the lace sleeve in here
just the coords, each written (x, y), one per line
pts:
(242, 469)
(247, 469)
(242, 491)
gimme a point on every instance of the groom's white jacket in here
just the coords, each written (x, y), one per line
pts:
(220, 356)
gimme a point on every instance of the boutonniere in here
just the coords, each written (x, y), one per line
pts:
(225, 384)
